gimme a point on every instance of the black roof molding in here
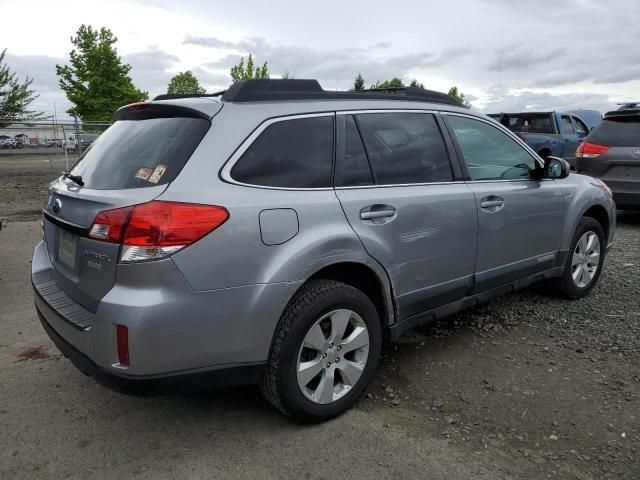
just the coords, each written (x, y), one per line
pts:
(295, 89)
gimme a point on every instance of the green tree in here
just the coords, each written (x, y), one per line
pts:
(287, 76)
(96, 81)
(416, 84)
(15, 96)
(358, 83)
(458, 95)
(395, 82)
(185, 83)
(241, 72)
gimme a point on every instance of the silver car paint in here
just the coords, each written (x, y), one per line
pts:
(218, 300)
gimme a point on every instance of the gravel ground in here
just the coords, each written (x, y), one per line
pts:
(23, 183)
(528, 386)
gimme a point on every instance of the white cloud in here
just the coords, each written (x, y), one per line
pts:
(578, 53)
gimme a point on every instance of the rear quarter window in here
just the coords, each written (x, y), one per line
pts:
(619, 132)
(140, 153)
(293, 153)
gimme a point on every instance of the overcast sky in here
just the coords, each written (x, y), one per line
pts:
(505, 55)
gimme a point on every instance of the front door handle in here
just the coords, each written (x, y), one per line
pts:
(371, 214)
(492, 203)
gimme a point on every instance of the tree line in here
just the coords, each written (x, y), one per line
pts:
(97, 82)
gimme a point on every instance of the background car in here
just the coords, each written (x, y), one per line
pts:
(555, 134)
(611, 152)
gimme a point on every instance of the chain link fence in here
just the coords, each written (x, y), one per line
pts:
(32, 154)
(55, 140)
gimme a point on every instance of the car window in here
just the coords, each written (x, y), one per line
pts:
(490, 154)
(567, 126)
(529, 123)
(581, 128)
(404, 148)
(617, 132)
(352, 166)
(139, 153)
(296, 153)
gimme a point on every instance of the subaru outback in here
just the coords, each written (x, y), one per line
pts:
(277, 233)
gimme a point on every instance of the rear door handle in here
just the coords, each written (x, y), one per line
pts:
(371, 214)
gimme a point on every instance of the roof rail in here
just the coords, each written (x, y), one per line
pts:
(296, 89)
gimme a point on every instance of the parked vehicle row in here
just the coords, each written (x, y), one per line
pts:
(277, 233)
(11, 143)
(549, 133)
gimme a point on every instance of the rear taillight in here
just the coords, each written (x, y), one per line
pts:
(590, 150)
(156, 229)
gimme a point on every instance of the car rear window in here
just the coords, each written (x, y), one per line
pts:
(140, 153)
(296, 153)
(529, 123)
(618, 132)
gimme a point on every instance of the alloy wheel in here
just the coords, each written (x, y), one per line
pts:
(586, 259)
(333, 356)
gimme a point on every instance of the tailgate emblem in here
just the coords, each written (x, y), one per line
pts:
(636, 153)
(57, 205)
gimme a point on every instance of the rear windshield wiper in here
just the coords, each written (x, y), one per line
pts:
(74, 178)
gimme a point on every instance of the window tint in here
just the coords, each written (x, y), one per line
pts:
(404, 148)
(140, 153)
(352, 166)
(567, 126)
(489, 153)
(581, 128)
(619, 132)
(295, 153)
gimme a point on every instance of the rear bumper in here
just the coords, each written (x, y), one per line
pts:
(173, 330)
(222, 376)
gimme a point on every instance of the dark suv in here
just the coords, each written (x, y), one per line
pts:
(611, 152)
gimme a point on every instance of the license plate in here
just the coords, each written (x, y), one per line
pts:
(67, 249)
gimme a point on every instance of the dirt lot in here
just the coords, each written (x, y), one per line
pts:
(526, 387)
(23, 183)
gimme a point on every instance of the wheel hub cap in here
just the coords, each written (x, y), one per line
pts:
(586, 259)
(333, 355)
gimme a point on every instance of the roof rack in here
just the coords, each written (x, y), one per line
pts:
(623, 112)
(296, 89)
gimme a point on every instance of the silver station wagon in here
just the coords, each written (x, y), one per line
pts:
(277, 233)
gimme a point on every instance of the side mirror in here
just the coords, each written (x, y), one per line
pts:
(556, 167)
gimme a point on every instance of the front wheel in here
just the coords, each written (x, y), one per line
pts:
(584, 262)
(324, 352)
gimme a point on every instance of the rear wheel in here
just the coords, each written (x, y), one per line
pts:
(325, 350)
(584, 262)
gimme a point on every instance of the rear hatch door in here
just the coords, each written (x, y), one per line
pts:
(620, 164)
(131, 163)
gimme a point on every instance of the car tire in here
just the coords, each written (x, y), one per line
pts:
(572, 284)
(320, 307)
